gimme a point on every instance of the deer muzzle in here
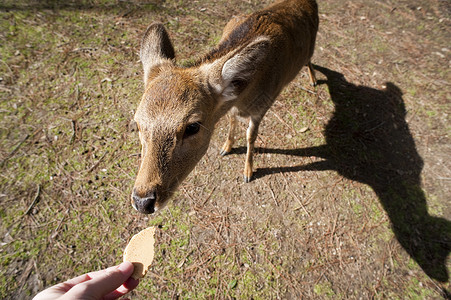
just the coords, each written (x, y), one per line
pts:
(144, 202)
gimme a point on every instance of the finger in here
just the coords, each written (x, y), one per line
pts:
(127, 287)
(64, 287)
(67, 285)
(111, 279)
(131, 283)
(103, 283)
(101, 272)
(60, 289)
(77, 280)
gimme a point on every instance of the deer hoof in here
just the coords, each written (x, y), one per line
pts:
(224, 152)
(247, 179)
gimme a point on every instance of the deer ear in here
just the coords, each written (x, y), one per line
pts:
(238, 70)
(156, 48)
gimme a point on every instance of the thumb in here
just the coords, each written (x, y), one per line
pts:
(103, 283)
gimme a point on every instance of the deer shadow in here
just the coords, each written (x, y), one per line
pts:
(368, 140)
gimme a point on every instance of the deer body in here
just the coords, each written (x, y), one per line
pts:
(256, 57)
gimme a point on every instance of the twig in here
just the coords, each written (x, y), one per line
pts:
(272, 193)
(74, 131)
(5, 89)
(307, 90)
(375, 127)
(182, 262)
(208, 197)
(85, 49)
(7, 66)
(14, 150)
(300, 202)
(56, 232)
(26, 273)
(18, 146)
(98, 162)
(103, 157)
(35, 200)
(283, 122)
(334, 227)
(288, 280)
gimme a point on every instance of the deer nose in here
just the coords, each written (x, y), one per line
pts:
(144, 203)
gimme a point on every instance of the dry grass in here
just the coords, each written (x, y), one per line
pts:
(351, 196)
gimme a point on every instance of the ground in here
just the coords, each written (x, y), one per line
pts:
(351, 195)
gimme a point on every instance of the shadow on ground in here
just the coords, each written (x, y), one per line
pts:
(368, 140)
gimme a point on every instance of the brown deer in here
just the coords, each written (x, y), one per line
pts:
(256, 57)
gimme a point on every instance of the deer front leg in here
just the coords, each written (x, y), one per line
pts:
(227, 147)
(251, 136)
(311, 73)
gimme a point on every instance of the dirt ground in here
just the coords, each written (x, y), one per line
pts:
(351, 195)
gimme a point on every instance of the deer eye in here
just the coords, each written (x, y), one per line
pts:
(191, 129)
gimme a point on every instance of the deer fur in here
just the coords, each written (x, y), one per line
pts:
(256, 57)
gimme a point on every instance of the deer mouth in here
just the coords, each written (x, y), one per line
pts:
(144, 202)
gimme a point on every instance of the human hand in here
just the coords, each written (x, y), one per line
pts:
(107, 284)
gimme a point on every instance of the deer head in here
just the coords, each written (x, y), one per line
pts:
(179, 109)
